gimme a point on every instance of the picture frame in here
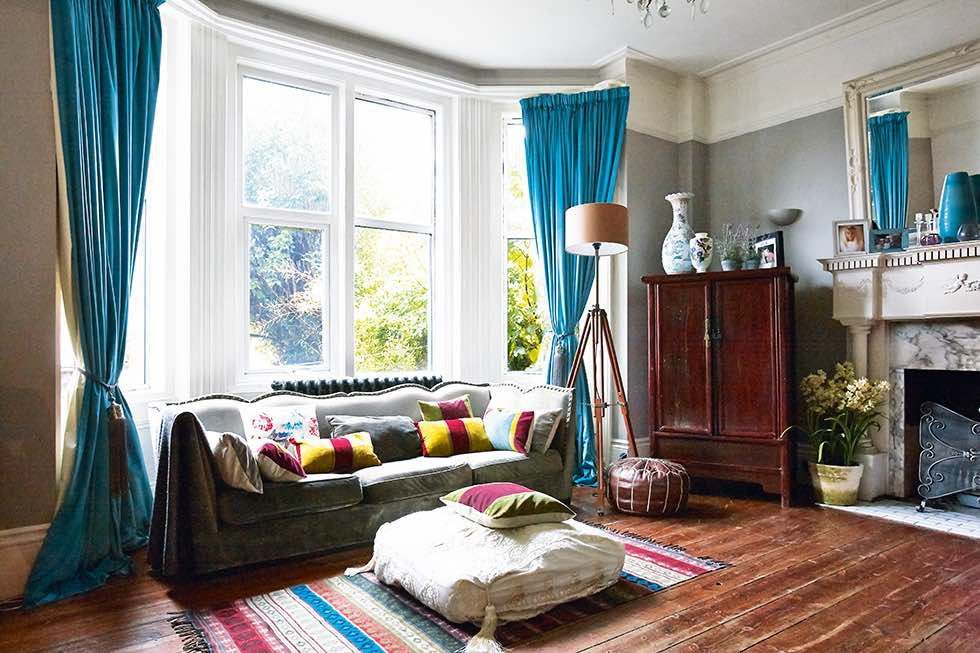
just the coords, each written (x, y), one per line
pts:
(887, 240)
(770, 249)
(910, 238)
(850, 237)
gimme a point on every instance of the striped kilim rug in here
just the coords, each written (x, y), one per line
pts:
(357, 613)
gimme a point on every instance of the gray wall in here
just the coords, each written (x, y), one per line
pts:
(921, 197)
(28, 318)
(798, 164)
(651, 173)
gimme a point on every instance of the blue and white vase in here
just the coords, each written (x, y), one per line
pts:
(676, 252)
(702, 250)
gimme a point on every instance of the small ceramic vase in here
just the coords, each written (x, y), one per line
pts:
(676, 251)
(956, 206)
(702, 249)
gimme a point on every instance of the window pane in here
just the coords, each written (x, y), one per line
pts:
(285, 146)
(391, 300)
(517, 203)
(285, 296)
(394, 159)
(525, 326)
(134, 372)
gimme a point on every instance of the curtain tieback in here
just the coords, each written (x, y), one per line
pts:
(118, 464)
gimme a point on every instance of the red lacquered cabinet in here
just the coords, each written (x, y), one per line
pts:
(720, 374)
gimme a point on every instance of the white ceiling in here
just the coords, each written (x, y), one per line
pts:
(540, 34)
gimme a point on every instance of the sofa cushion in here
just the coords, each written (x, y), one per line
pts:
(416, 477)
(313, 494)
(495, 466)
(394, 436)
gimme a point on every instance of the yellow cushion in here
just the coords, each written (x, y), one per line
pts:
(454, 436)
(341, 455)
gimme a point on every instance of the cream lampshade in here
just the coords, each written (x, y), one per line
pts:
(598, 223)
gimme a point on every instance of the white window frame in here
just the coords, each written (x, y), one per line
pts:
(245, 215)
(344, 88)
(509, 116)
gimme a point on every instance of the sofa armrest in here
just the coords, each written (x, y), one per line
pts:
(185, 505)
(566, 442)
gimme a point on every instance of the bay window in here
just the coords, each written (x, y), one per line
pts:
(527, 332)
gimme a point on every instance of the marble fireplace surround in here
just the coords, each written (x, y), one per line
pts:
(918, 309)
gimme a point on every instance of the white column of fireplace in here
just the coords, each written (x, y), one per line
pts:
(913, 309)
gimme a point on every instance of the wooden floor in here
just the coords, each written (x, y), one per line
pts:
(802, 579)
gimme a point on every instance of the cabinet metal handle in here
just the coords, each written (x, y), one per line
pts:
(707, 330)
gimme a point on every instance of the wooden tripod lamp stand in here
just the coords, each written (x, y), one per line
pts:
(599, 230)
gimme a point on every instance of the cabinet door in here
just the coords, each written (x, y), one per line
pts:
(745, 357)
(680, 366)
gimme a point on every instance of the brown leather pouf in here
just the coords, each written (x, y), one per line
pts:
(648, 486)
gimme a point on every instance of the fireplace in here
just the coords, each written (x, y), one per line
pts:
(957, 390)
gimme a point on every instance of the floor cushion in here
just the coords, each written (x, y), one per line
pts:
(416, 477)
(467, 572)
(648, 486)
(313, 494)
(496, 466)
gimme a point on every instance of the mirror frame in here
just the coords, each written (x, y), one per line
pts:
(856, 93)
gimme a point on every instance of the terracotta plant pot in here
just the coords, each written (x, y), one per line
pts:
(836, 485)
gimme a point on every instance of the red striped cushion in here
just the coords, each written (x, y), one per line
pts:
(453, 436)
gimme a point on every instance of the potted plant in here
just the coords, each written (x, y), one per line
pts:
(841, 410)
(730, 248)
(750, 259)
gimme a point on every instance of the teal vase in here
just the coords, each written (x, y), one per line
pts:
(975, 185)
(957, 206)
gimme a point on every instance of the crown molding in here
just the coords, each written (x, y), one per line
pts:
(627, 52)
(855, 22)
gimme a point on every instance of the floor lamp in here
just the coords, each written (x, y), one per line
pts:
(599, 230)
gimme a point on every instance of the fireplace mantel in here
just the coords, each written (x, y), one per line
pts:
(881, 298)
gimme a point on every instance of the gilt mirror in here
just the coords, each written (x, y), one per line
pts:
(911, 131)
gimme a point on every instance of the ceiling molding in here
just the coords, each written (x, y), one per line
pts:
(627, 52)
(855, 22)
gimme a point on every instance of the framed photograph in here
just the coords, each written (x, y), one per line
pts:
(909, 238)
(770, 249)
(887, 240)
(850, 237)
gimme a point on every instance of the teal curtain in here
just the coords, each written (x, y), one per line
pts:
(573, 146)
(106, 68)
(888, 142)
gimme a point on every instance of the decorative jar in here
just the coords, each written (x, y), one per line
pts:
(676, 250)
(702, 249)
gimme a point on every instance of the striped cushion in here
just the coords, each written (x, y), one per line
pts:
(453, 436)
(507, 430)
(506, 505)
(342, 455)
(433, 411)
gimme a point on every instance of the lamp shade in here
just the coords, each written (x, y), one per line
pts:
(598, 223)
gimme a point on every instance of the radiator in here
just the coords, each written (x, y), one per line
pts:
(317, 387)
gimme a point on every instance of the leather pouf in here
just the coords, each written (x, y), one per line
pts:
(648, 486)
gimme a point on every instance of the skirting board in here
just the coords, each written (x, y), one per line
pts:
(18, 548)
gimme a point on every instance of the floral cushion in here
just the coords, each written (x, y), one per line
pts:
(280, 423)
(506, 505)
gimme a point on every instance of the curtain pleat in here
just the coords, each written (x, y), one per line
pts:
(888, 143)
(573, 146)
(106, 62)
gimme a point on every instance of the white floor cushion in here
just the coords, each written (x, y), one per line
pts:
(467, 572)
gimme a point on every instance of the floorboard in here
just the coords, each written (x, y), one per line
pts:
(802, 579)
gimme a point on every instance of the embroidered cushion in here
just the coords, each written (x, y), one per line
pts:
(433, 411)
(506, 505)
(342, 455)
(453, 436)
(280, 423)
(235, 462)
(393, 436)
(508, 430)
(275, 463)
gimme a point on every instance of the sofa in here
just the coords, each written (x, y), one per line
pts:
(200, 525)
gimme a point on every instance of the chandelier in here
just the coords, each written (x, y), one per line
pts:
(662, 7)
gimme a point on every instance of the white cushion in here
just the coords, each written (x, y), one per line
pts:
(235, 462)
(457, 567)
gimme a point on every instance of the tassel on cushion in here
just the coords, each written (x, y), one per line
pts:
(353, 571)
(484, 641)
